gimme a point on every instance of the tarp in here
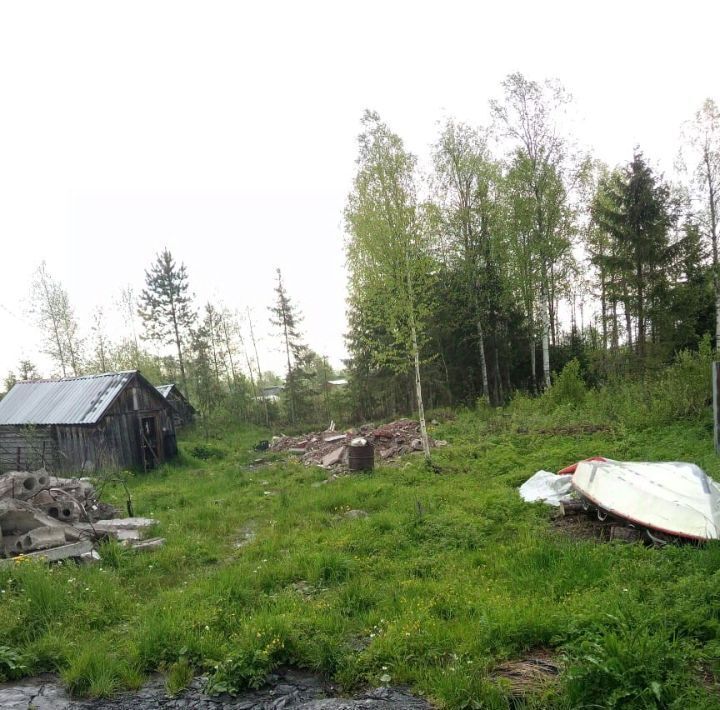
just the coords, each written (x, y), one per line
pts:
(550, 488)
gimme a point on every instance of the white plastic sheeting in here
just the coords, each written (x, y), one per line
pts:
(550, 488)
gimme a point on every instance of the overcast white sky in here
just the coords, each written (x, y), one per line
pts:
(227, 130)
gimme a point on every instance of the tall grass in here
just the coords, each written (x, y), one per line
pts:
(446, 577)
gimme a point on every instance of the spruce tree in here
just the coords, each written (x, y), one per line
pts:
(166, 306)
(634, 209)
(287, 318)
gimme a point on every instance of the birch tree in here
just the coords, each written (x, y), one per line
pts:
(529, 118)
(100, 340)
(387, 251)
(704, 142)
(55, 316)
(466, 179)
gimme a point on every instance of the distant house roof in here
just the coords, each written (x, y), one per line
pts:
(71, 400)
(337, 383)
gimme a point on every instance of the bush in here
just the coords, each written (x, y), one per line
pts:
(247, 666)
(568, 388)
(206, 452)
(12, 664)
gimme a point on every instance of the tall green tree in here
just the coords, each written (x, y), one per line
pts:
(286, 318)
(100, 342)
(388, 253)
(529, 116)
(634, 209)
(703, 140)
(165, 306)
(467, 180)
(55, 316)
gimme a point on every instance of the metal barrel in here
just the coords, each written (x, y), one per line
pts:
(361, 458)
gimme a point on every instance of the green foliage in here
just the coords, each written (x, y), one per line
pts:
(446, 577)
(206, 452)
(568, 388)
(631, 660)
(12, 664)
(247, 666)
(179, 676)
(98, 672)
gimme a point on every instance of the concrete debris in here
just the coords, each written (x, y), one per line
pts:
(329, 449)
(55, 518)
(333, 457)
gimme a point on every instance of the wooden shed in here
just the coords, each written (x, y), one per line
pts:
(183, 411)
(86, 424)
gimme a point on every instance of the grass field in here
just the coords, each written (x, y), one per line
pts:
(448, 576)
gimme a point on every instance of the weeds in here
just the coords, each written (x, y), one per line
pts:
(448, 577)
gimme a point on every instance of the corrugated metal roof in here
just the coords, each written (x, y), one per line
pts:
(71, 400)
(164, 390)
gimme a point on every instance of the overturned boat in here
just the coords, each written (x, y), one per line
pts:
(674, 498)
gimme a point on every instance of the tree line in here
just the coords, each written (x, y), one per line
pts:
(511, 255)
(211, 352)
(515, 252)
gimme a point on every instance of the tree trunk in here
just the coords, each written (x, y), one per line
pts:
(416, 359)
(545, 339)
(500, 397)
(603, 310)
(615, 327)
(257, 363)
(640, 313)
(483, 361)
(714, 239)
(533, 366)
(419, 396)
(181, 362)
(228, 349)
(289, 383)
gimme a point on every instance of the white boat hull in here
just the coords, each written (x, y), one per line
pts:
(674, 498)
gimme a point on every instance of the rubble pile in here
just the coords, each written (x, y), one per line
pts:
(329, 448)
(56, 518)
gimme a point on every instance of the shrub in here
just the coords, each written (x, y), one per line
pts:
(206, 452)
(246, 667)
(568, 388)
(12, 664)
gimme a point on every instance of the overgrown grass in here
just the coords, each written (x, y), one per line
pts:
(446, 577)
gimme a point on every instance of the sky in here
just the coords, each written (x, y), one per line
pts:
(226, 131)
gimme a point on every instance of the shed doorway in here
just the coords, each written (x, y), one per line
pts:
(151, 445)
